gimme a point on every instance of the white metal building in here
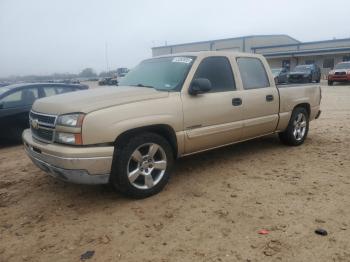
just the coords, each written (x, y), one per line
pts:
(280, 50)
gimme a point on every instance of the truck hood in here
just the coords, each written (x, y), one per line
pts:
(94, 99)
(340, 70)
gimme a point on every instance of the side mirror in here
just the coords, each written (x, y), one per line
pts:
(199, 86)
(276, 80)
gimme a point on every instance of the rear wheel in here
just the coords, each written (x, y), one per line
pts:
(298, 128)
(141, 166)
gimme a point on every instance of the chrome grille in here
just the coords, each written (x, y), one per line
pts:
(42, 126)
(44, 134)
(43, 119)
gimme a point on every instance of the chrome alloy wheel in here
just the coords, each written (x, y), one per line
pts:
(146, 166)
(299, 127)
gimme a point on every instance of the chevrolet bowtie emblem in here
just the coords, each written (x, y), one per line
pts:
(35, 123)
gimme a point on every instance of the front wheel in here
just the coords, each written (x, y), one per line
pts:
(141, 166)
(298, 128)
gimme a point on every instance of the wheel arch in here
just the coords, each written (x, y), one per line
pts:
(306, 106)
(163, 130)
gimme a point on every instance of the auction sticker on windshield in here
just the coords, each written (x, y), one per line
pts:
(185, 60)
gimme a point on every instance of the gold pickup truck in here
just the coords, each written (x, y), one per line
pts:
(165, 108)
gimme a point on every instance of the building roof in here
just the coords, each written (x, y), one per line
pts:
(307, 52)
(334, 46)
(303, 43)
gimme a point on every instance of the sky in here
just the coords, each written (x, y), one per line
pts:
(47, 36)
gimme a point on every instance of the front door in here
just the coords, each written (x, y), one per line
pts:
(214, 118)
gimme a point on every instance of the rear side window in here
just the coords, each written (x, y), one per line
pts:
(49, 91)
(218, 71)
(253, 73)
(21, 98)
(62, 90)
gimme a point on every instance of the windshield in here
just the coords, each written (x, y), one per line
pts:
(342, 66)
(303, 68)
(3, 90)
(165, 73)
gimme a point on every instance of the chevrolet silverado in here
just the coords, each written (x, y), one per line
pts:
(165, 108)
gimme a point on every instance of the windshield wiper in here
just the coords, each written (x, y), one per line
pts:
(141, 85)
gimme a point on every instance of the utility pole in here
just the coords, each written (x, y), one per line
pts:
(106, 56)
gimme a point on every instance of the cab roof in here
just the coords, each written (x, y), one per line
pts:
(211, 53)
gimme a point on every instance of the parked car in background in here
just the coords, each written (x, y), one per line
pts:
(305, 74)
(340, 73)
(17, 100)
(122, 71)
(4, 84)
(280, 74)
(108, 81)
(114, 78)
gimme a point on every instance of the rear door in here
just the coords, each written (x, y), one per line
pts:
(260, 98)
(214, 118)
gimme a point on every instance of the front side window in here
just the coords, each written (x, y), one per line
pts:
(164, 73)
(218, 71)
(253, 73)
(25, 97)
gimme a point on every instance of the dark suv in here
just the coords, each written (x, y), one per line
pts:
(305, 74)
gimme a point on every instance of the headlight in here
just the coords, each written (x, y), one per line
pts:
(69, 129)
(69, 138)
(71, 120)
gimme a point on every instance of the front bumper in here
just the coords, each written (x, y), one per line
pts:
(339, 78)
(80, 165)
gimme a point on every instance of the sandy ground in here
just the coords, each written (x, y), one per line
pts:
(211, 210)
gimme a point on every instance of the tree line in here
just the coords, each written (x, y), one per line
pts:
(87, 73)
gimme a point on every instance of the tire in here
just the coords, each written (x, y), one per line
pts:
(141, 165)
(291, 136)
(330, 83)
(318, 80)
(310, 79)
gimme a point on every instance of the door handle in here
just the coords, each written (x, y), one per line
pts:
(269, 98)
(236, 101)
